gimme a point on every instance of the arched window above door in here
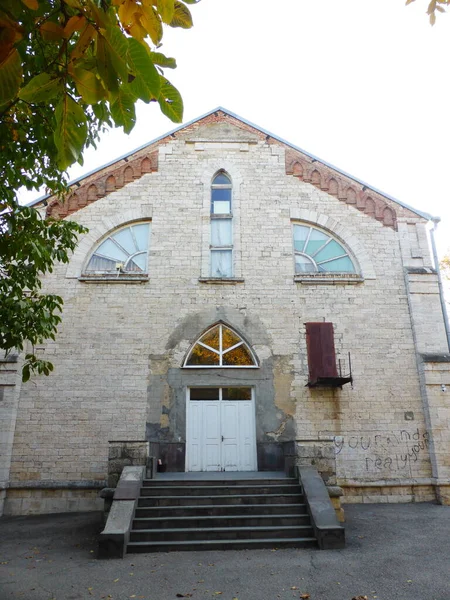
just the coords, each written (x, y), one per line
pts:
(221, 347)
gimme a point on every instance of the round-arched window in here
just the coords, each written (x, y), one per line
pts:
(317, 251)
(124, 250)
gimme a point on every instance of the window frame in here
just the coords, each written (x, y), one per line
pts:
(221, 216)
(120, 273)
(317, 274)
(220, 352)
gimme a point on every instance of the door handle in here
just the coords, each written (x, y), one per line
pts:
(222, 438)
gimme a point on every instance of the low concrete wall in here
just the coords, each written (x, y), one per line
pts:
(114, 538)
(330, 535)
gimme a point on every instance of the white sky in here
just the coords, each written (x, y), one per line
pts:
(362, 84)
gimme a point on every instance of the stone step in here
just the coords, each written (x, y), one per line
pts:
(220, 499)
(219, 510)
(241, 544)
(218, 490)
(256, 520)
(219, 533)
(228, 482)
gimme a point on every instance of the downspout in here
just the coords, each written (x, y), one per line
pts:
(441, 289)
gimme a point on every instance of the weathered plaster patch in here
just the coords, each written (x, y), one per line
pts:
(283, 378)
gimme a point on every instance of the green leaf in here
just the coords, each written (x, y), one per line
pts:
(146, 84)
(181, 17)
(10, 76)
(116, 48)
(88, 86)
(166, 9)
(70, 133)
(170, 101)
(163, 61)
(25, 373)
(123, 111)
(105, 68)
(41, 88)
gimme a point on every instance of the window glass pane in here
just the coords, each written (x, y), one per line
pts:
(238, 357)
(221, 263)
(97, 263)
(221, 194)
(221, 208)
(204, 393)
(125, 239)
(339, 265)
(239, 393)
(141, 234)
(212, 338)
(202, 356)
(221, 232)
(112, 251)
(221, 179)
(316, 240)
(300, 235)
(229, 338)
(138, 263)
(303, 264)
(332, 249)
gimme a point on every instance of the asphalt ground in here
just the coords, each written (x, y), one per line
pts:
(394, 552)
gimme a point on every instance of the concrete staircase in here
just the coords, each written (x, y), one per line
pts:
(220, 514)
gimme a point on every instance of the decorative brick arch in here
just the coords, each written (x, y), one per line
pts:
(341, 186)
(105, 182)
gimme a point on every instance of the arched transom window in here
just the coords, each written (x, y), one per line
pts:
(220, 346)
(316, 251)
(124, 250)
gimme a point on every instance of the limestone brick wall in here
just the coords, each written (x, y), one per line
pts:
(10, 380)
(103, 388)
(436, 375)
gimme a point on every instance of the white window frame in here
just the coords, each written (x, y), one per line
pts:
(225, 216)
(118, 271)
(221, 352)
(316, 272)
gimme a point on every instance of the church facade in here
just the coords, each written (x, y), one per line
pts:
(235, 302)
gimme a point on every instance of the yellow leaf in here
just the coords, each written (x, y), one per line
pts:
(126, 12)
(86, 37)
(136, 29)
(151, 22)
(51, 31)
(116, 580)
(75, 23)
(32, 4)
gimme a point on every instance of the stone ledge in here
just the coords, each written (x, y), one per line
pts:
(430, 357)
(321, 279)
(221, 280)
(420, 271)
(56, 485)
(113, 279)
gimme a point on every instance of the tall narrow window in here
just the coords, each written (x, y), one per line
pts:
(221, 227)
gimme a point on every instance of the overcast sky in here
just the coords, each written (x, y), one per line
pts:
(362, 84)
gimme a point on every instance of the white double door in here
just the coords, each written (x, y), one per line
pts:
(221, 434)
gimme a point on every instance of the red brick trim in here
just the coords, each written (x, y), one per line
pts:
(103, 183)
(344, 188)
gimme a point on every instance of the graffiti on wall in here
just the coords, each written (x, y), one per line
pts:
(394, 451)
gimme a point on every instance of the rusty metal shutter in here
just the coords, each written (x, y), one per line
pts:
(321, 353)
